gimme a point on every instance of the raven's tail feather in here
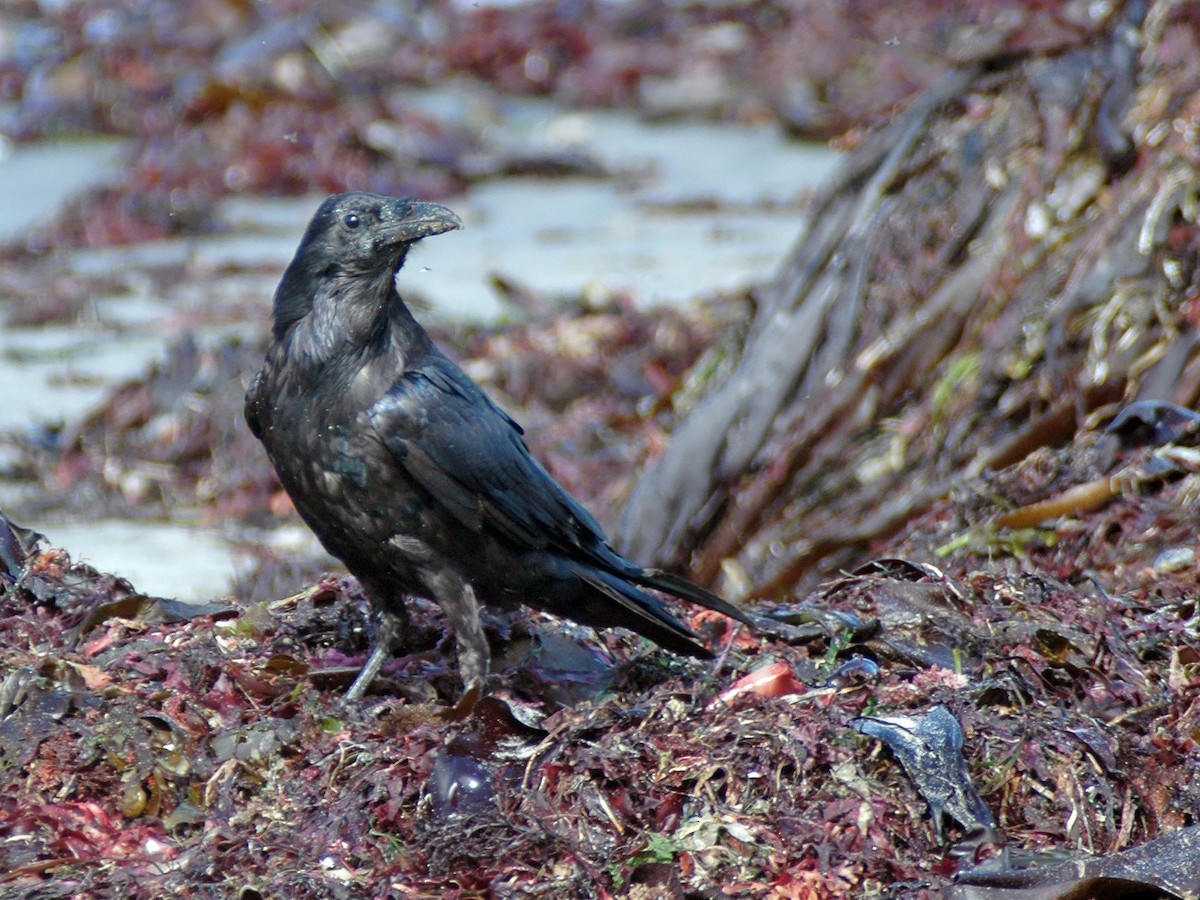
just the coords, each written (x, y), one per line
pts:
(653, 619)
(609, 559)
(673, 584)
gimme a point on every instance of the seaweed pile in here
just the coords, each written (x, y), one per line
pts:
(149, 747)
(968, 515)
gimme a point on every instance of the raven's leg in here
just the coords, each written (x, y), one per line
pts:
(393, 622)
(457, 599)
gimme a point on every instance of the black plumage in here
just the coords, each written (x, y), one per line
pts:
(406, 470)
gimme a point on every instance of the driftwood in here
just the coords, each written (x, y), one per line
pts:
(1011, 257)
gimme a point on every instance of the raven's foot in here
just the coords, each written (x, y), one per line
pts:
(465, 705)
(367, 675)
(387, 639)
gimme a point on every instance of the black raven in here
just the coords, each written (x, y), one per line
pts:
(408, 473)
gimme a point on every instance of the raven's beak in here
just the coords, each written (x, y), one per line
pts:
(416, 219)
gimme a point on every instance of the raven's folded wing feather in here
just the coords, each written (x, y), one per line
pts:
(470, 456)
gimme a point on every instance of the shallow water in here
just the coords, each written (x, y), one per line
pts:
(163, 559)
(37, 179)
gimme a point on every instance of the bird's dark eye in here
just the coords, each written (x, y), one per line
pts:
(352, 221)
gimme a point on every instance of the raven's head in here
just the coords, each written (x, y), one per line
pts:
(354, 236)
(361, 233)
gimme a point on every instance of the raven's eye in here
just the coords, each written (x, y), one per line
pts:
(352, 221)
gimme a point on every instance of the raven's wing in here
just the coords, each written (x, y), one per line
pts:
(462, 448)
(470, 456)
(252, 405)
